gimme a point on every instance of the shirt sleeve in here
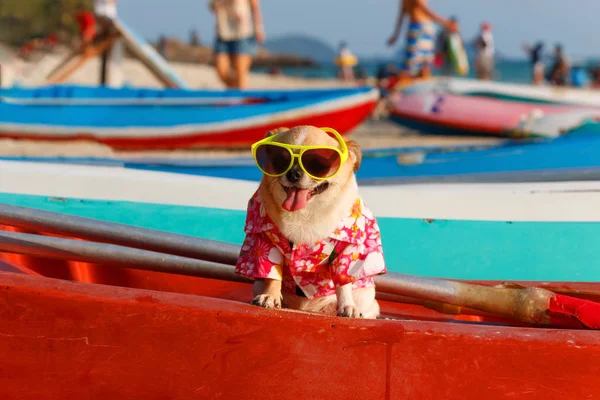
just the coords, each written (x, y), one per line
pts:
(359, 261)
(259, 258)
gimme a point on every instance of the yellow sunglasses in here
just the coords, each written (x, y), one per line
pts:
(319, 162)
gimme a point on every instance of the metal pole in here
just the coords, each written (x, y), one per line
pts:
(124, 235)
(113, 255)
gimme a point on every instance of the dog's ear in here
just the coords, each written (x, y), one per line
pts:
(276, 131)
(355, 153)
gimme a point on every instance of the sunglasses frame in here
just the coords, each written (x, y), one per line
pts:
(343, 152)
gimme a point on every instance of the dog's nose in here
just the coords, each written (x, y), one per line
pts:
(294, 175)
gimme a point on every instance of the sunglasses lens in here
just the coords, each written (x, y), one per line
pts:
(273, 160)
(321, 163)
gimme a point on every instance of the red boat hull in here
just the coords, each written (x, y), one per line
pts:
(63, 340)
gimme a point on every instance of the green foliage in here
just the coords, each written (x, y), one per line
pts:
(21, 20)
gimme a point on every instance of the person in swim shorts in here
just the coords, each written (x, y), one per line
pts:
(537, 64)
(239, 29)
(561, 69)
(442, 57)
(420, 39)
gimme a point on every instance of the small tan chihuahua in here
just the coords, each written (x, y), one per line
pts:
(311, 244)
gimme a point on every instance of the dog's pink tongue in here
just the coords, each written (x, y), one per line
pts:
(296, 199)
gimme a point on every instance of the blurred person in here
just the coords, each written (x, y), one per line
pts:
(275, 70)
(239, 28)
(595, 77)
(442, 56)
(537, 65)
(162, 46)
(106, 12)
(346, 62)
(560, 70)
(86, 21)
(195, 38)
(384, 73)
(484, 45)
(580, 76)
(420, 38)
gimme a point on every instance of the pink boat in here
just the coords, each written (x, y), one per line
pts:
(442, 113)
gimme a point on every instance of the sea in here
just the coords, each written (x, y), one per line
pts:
(516, 71)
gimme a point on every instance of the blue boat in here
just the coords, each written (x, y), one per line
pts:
(568, 158)
(103, 95)
(144, 126)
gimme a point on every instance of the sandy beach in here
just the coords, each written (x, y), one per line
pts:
(370, 135)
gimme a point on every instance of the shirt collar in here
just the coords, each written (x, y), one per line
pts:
(351, 228)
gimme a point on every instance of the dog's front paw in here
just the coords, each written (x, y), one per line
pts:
(267, 301)
(349, 312)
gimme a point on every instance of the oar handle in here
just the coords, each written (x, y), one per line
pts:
(529, 305)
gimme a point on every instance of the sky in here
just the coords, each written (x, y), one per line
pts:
(366, 24)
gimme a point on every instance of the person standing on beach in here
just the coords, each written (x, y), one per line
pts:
(87, 27)
(420, 39)
(484, 44)
(442, 56)
(346, 62)
(559, 73)
(239, 28)
(537, 65)
(106, 12)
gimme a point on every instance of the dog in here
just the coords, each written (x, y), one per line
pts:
(311, 244)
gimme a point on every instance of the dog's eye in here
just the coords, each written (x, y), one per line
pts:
(280, 161)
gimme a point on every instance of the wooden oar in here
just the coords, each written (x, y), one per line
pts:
(529, 305)
(93, 51)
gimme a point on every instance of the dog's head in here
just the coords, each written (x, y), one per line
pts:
(296, 190)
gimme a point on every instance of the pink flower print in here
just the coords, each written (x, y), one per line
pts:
(262, 212)
(245, 268)
(273, 237)
(304, 266)
(357, 250)
(343, 234)
(276, 272)
(275, 256)
(322, 256)
(266, 253)
(260, 251)
(373, 264)
(356, 210)
(341, 264)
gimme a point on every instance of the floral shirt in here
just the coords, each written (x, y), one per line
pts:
(351, 254)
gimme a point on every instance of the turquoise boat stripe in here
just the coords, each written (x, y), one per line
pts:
(486, 250)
